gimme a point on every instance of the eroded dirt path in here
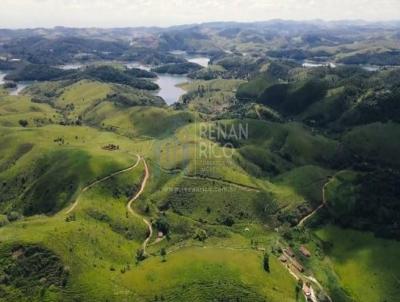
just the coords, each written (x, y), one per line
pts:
(323, 204)
(135, 197)
(302, 221)
(300, 275)
(75, 204)
(130, 202)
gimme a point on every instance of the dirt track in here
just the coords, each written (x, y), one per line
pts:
(75, 204)
(137, 195)
(129, 205)
(323, 204)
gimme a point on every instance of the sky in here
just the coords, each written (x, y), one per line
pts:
(127, 13)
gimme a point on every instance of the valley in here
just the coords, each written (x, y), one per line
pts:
(211, 162)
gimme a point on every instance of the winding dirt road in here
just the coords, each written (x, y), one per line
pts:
(299, 275)
(222, 181)
(75, 204)
(301, 223)
(129, 205)
(323, 204)
(134, 198)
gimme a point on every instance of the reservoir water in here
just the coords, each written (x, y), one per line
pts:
(311, 64)
(71, 66)
(20, 85)
(138, 65)
(202, 61)
(2, 75)
(169, 90)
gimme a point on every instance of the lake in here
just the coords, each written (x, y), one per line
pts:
(138, 65)
(2, 75)
(20, 85)
(167, 82)
(168, 89)
(202, 61)
(71, 66)
(312, 64)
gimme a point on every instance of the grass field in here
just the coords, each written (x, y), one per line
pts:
(205, 274)
(219, 213)
(210, 97)
(138, 121)
(96, 244)
(367, 267)
(13, 109)
(43, 168)
(99, 242)
(76, 99)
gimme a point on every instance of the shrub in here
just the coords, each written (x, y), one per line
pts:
(23, 123)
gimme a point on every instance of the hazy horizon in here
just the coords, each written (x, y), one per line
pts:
(158, 13)
(207, 22)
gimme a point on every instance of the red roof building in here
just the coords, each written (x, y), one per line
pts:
(305, 251)
(297, 266)
(289, 251)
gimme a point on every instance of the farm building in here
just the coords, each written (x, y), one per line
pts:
(297, 266)
(305, 251)
(289, 251)
(307, 290)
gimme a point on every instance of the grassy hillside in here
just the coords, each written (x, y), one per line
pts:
(77, 100)
(375, 142)
(107, 73)
(138, 121)
(28, 269)
(99, 242)
(214, 97)
(43, 169)
(276, 147)
(203, 274)
(16, 109)
(108, 194)
(367, 267)
(326, 97)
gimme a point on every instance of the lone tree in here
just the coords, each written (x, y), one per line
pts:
(162, 225)
(23, 123)
(200, 235)
(299, 287)
(140, 256)
(163, 254)
(266, 262)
